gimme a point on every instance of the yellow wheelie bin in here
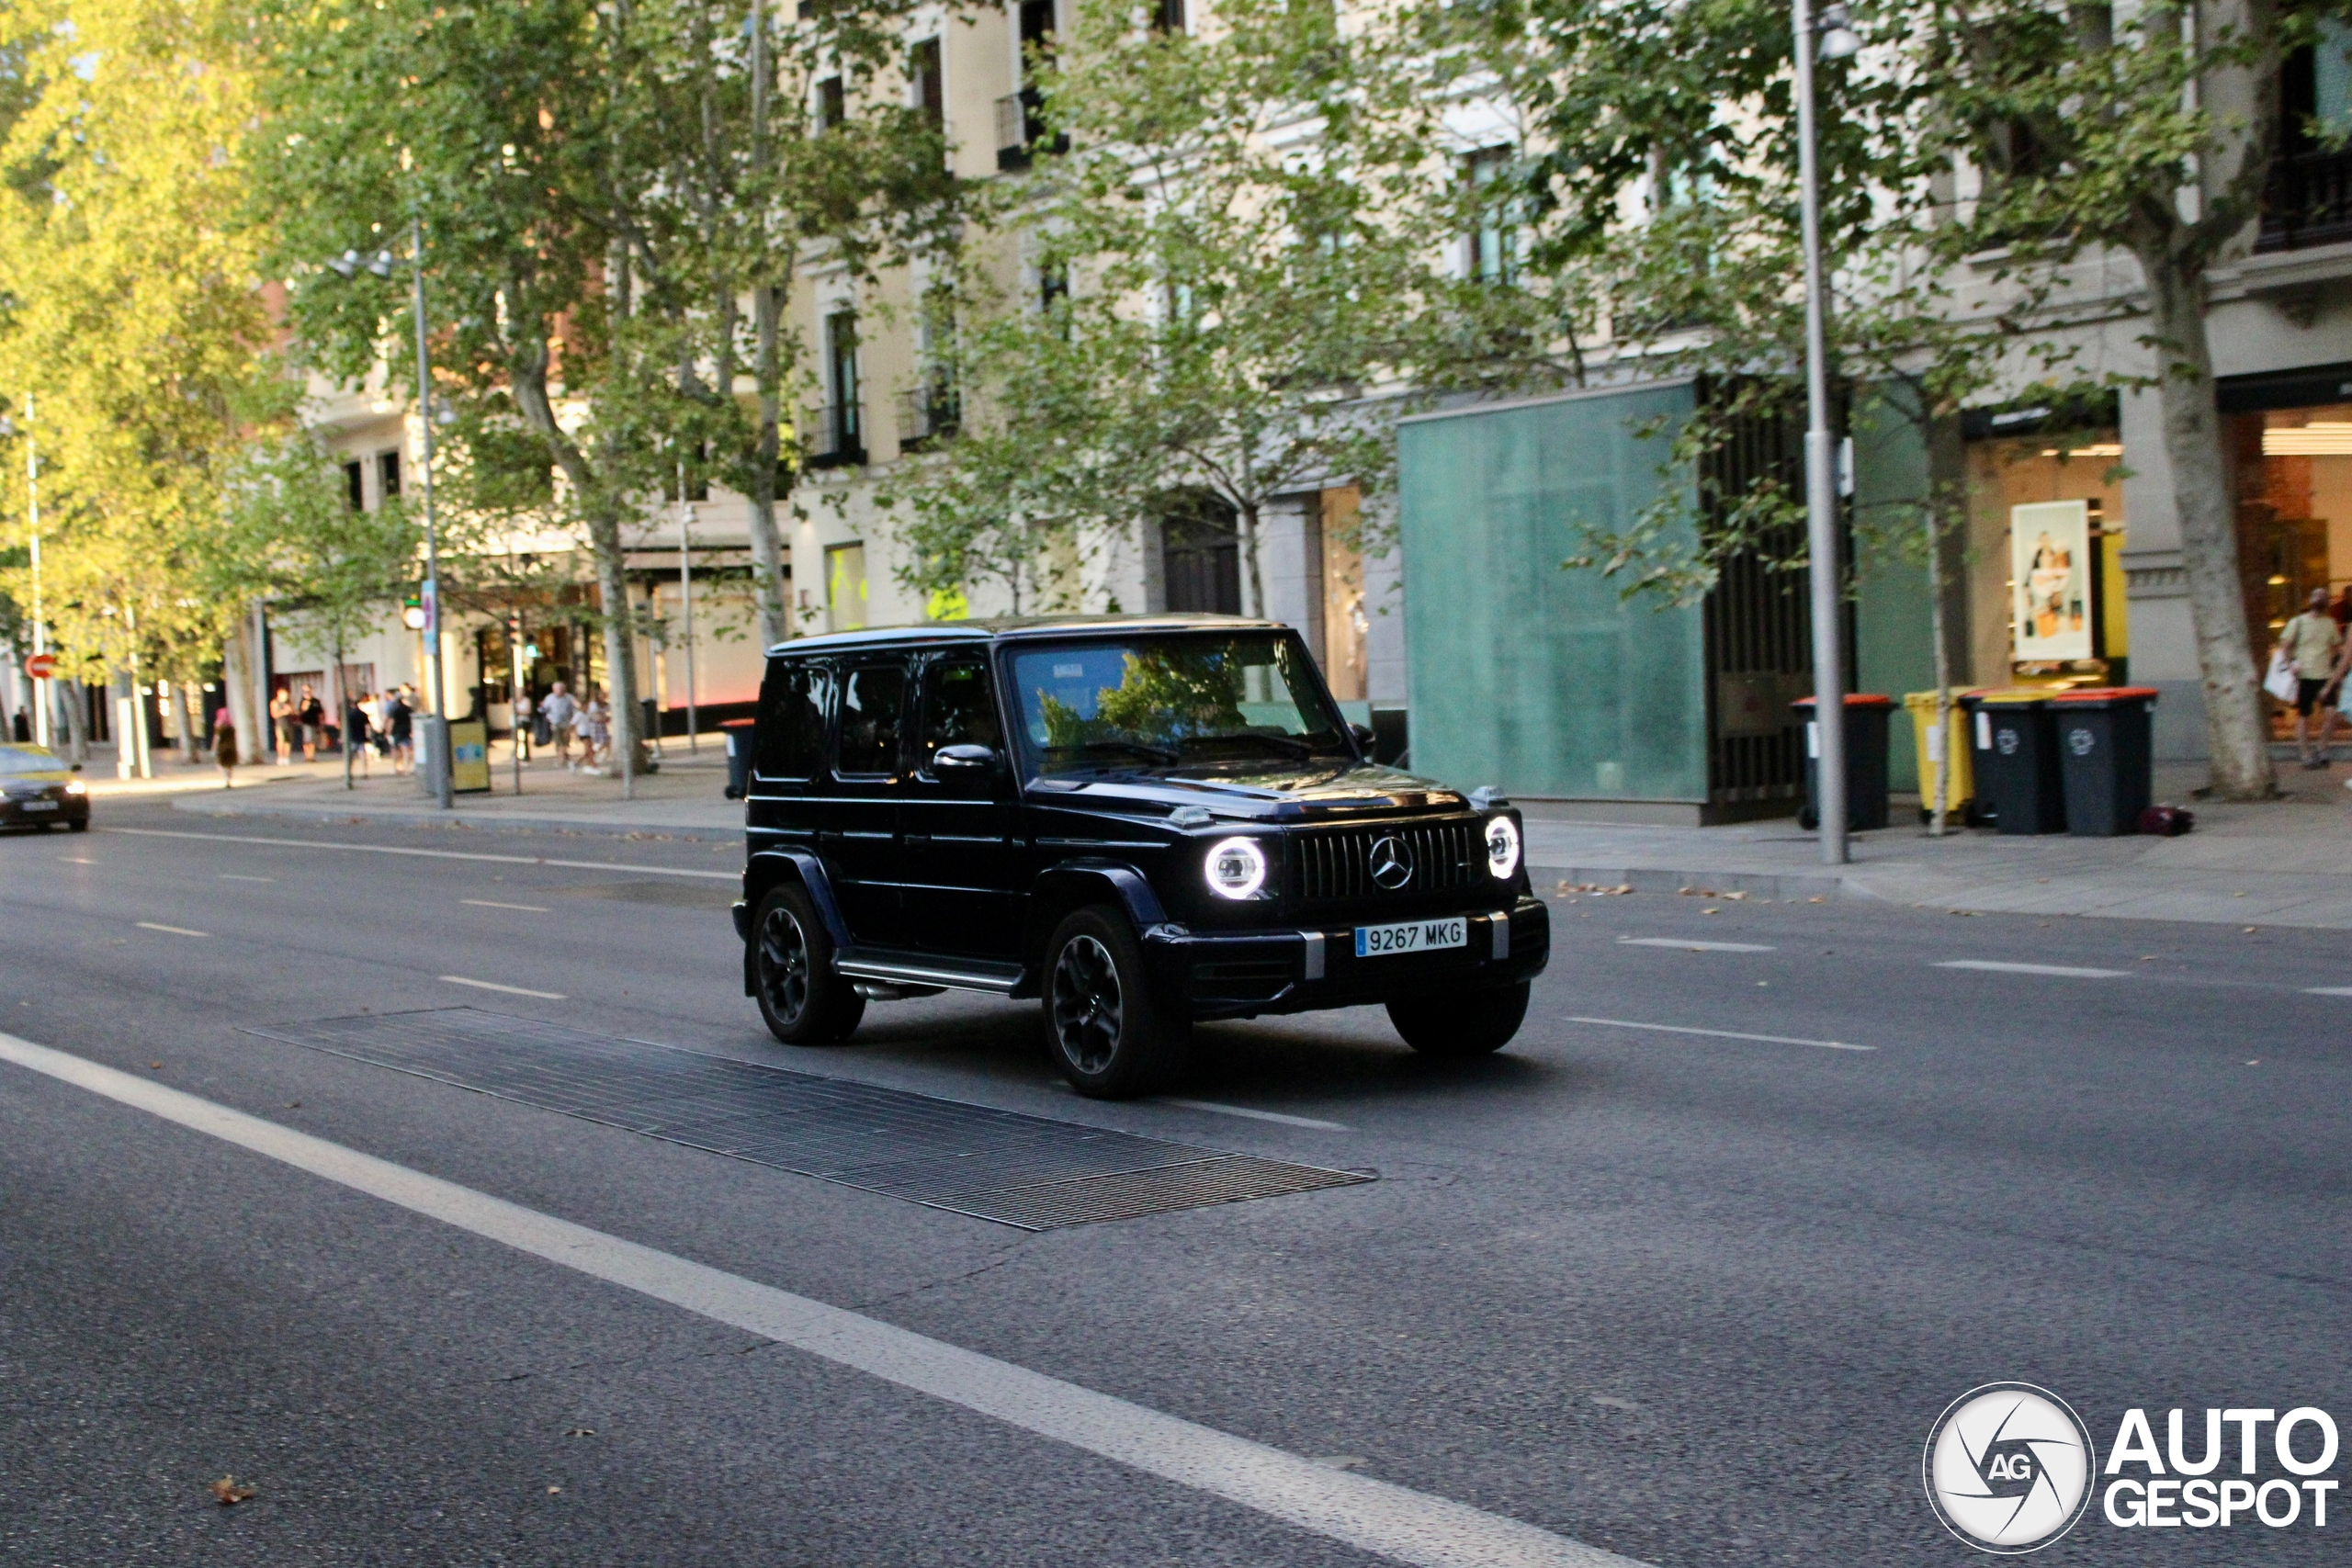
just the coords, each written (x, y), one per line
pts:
(1960, 790)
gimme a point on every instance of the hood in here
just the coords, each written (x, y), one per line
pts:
(1278, 790)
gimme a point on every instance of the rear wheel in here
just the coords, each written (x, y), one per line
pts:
(1108, 1036)
(803, 1002)
(1467, 1023)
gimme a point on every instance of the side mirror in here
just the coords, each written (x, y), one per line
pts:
(948, 759)
(1363, 732)
(76, 768)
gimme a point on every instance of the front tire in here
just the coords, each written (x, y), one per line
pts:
(79, 824)
(803, 1002)
(1471, 1023)
(1107, 1035)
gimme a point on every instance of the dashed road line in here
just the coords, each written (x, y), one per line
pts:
(2065, 971)
(1721, 1034)
(1693, 945)
(429, 854)
(494, 986)
(175, 930)
(1284, 1117)
(494, 904)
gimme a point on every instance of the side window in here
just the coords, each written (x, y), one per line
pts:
(874, 701)
(792, 725)
(957, 709)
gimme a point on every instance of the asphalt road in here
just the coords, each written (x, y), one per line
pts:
(1691, 1297)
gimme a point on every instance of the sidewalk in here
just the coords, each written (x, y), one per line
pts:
(2286, 863)
(684, 799)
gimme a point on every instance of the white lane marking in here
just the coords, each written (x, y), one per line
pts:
(77, 860)
(232, 876)
(1282, 1117)
(1720, 1034)
(1695, 946)
(494, 904)
(429, 854)
(2068, 971)
(494, 986)
(1374, 1516)
(175, 930)
(2327, 990)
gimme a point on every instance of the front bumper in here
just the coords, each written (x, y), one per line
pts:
(1241, 974)
(32, 812)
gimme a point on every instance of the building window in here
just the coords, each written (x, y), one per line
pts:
(1020, 124)
(929, 79)
(387, 476)
(1200, 557)
(842, 440)
(845, 595)
(832, 104)
(354, 485)
(1167, 16)
(1494, 239)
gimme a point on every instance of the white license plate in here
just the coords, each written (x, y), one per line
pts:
(1412, 936)
(37, 804)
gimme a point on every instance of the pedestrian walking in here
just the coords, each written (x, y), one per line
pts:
(2310, 643)
(281, 726)
(313, 714)
(355, 730)
(591, 723)
(224, 746)
(402, 728)
(558, 710)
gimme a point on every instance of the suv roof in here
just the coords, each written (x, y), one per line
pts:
(1010, 628)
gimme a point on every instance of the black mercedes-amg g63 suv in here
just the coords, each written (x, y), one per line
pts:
(1141, 821)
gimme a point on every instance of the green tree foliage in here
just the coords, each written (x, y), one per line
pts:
(1212, 297)
(128, 314)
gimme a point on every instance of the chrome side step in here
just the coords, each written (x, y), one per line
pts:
(910, 969)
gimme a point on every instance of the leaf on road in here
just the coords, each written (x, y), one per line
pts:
(227, 1492)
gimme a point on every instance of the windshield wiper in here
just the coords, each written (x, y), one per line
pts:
(1132, 747)
(1291, 745)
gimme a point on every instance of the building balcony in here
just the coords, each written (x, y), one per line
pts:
(1021, 131)
(928, 415)
(2308, 201)
(836, 438)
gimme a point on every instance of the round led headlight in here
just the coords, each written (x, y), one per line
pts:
(1236, 868)
(1502, 846)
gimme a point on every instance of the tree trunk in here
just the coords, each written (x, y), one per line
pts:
(767, 549)
(77, 721)
(1253, 578)
(620, 651)
(1940, 741)
(2237, 731)
(237, 665)
(183, 734)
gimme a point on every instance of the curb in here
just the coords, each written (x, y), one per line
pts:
(460, 818)
(1659, 879)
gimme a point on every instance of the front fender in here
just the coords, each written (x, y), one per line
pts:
(772, 869)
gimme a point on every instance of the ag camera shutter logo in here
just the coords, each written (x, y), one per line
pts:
(2008, 1468)
(2080, 741)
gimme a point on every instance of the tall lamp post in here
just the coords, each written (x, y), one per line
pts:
(1835, 41)
(349, 265)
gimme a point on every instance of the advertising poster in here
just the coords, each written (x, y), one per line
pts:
(468, 757)
(2050, 569)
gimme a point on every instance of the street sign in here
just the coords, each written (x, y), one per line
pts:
(41, 666)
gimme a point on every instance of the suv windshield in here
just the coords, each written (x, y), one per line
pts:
(28, 759)
(1187, 698)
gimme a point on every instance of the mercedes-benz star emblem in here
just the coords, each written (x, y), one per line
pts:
(1392, 863)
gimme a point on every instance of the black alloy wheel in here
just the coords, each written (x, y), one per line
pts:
(802, 1000)
(1466, 1023)
(1109, 1036)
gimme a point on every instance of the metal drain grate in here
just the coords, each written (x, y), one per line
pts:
(1026, 1171)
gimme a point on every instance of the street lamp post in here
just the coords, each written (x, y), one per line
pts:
(1836, 42)
(42, 696)
(686, 598)
(349, 265)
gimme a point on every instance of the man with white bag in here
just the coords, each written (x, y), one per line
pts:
(2308, 646)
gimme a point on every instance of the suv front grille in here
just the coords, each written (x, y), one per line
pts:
(1445, 856)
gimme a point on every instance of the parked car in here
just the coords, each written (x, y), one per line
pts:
(1140, 822)
(38, 789)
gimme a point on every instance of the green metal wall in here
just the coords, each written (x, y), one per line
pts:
(1893, 646)
(1542, 681)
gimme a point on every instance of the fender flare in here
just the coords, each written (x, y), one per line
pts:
(1089, 880)
(771, 869)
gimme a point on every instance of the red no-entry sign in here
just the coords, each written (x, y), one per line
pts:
(41, 666)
